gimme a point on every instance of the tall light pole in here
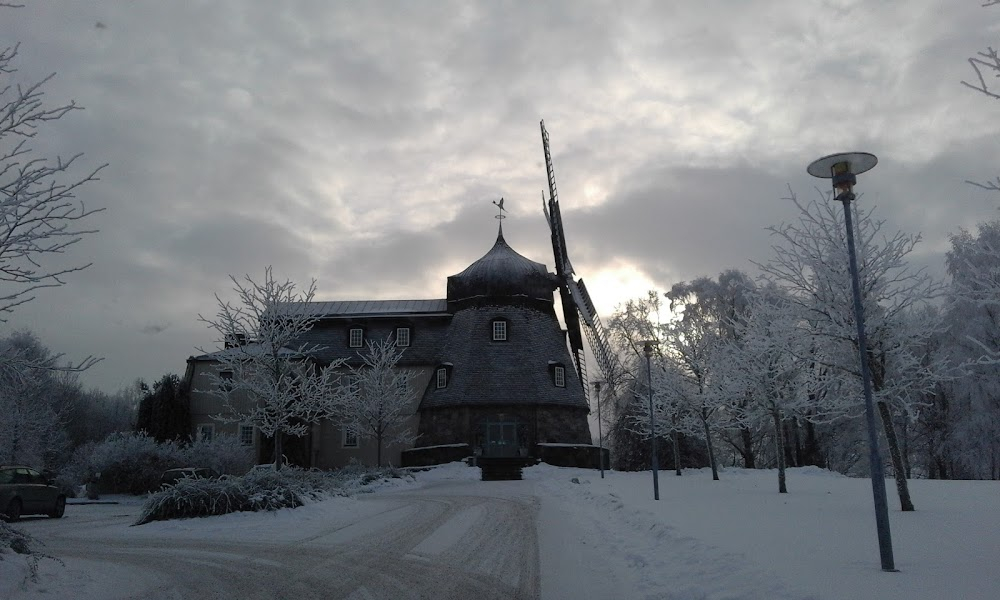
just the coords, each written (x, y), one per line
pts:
(842, 169)
(600, 435)
(647, 349)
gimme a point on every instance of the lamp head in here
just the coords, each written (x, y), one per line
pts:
(842, 168)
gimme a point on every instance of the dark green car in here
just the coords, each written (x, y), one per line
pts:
(25, 491)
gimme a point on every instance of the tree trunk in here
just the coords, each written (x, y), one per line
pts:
(779, 447)
(749, 461)
(792, 450)
(906, 449)
(378, 441)
(711, 449)
(677, 454)
(278, 450)
(899, 471)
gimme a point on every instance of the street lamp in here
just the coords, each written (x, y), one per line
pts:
(842, 169)
(600, 435)
(647, 349)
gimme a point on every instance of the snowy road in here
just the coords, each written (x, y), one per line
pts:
(439, 542)
(562, 534)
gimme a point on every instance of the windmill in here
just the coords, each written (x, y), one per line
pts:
(576, 302)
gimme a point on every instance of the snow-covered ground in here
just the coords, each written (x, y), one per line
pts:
(730, 539)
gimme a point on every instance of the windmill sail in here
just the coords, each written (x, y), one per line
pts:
(575, 299)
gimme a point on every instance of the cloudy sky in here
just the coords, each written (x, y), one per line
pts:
(362, 143)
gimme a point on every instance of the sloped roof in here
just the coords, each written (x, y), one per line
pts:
(515, 372)
(375, 308)
(245, 350)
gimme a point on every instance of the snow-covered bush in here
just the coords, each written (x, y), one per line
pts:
(127, 463)
(255, 491)
(134, 462)
(224, 453)
(355, 476)
(206, 497)
(20, 543)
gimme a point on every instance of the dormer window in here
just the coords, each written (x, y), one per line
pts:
(357, 337)
(442, 378)
(403, 336)
(559, 376)
(499, 330)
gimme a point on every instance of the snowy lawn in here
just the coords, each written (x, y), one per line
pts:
(735, 538)
(739, 538)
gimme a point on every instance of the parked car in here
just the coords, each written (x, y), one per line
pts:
(172, 476)
(25, 491)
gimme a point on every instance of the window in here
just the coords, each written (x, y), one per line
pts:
(350, 439)
(226, 381)
(352, 383)
(246, 435)
(36, 477)
(357, 337)
(499, 331)
(402, 336)
(559, 375)
(205, 432)
(442, 378)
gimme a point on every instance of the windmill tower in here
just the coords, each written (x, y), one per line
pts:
(576, 303)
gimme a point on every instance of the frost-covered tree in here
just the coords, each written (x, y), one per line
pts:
(768, 364)
(639, 320)
(266, 373)
(33, 404)
(811, 266)
(986, 66)
(672, 413)
(41, 215)
(380, 397)
(707, 314)
(969, 409)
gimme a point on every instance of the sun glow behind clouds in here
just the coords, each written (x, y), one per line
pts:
(615, 284)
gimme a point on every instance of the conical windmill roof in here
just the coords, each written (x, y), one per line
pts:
(502, 273)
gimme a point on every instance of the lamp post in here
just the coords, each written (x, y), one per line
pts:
(600, 435)
(647, 349)
(842, 169)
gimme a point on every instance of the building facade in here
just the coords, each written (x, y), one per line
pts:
(491, 373)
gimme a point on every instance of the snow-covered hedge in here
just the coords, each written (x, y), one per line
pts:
(259, 490)
(133, 462)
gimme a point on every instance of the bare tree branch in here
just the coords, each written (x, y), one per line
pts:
(39, 211)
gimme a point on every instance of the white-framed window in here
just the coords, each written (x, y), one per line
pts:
(357, 337)
(206, 431)
(442, 378)
(559, 375)
(499, 330)
(402, 336)
(349, 439)
(246, 434)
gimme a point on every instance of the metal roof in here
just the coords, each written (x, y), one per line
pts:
(376, 308)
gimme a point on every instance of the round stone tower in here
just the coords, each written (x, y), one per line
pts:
(505, 381)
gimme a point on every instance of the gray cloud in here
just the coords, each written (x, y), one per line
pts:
(362, 143)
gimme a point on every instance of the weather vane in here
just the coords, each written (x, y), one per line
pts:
(502, 209)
